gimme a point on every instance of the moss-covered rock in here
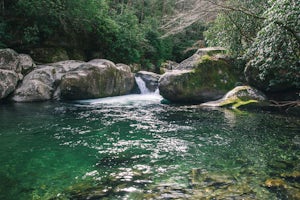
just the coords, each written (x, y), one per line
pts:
(240, 96)
(192, 61)
(210, 78)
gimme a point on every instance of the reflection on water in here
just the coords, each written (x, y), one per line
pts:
(133, 147)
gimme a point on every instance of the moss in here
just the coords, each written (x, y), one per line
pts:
(242, 103)
(214, 52)
(217, 74)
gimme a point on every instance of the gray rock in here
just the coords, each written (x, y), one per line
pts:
(9, 59)
(123, 67)
(72, 79)
(96, 79)
(100, 62)
(42, 83)
(37, 85)
(8, 82)
(26, 64)
(190, 62)
(13, 67)
(150, 79)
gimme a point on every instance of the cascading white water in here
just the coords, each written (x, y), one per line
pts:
(142, 85)
(146, 97)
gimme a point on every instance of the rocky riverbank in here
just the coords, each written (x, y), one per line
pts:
(23, 81)
(208, 78)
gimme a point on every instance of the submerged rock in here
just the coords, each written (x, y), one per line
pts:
(239, 96)
(274, 183)
(219, 185)
(210, 79)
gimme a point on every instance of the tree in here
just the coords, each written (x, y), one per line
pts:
(236, 26)
(275, 53)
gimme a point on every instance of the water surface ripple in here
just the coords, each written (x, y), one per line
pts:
(134, 147)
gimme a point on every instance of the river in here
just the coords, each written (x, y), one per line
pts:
(134, 147)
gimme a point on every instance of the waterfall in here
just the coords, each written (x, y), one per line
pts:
(142, 85)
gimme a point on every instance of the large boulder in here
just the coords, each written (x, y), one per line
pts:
(150, 79)
(96, 79)
(75, 80)
(209, 79)
(41, 84)
(240, 96)
(13, 67)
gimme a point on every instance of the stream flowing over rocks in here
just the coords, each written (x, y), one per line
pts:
(204, 78)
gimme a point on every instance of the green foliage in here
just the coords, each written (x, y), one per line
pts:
(125, 47)
(2, 33)
(119, 30)
(236, 29)
(276, 51)
(31, 34)
(185, 43)
(265, 34)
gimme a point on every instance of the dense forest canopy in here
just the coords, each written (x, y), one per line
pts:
(264, 34)
(128, 31)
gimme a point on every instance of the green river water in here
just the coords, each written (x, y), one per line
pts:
(134, 147)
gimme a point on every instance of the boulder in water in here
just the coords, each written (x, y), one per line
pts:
(209, 79)
(75, 80)
(240, 96)
(96, 79)
(41, 84)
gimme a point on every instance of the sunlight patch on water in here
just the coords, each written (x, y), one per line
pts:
(132, 99)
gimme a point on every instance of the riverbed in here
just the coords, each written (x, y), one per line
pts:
(135, 147)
